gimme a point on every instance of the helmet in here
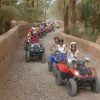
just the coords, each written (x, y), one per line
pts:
(56, 38)
(34, 32)
(72, 43)
(61, 40)
(33, 28)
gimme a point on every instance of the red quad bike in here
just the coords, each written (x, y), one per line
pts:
(47, 29)
(76, 77)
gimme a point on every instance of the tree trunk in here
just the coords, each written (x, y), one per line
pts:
(1, 3)
(66, 29)
(33, 4)
(37, 4)
(72, 15)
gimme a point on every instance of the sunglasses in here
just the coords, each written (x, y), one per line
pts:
(73, 46)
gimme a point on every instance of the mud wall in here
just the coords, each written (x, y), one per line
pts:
(92, 48)
(8, 44)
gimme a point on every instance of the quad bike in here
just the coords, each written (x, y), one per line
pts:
(54, 58)
(76, 77)
(40, 34)
(35, 51)
(48, 29)
(43, 32)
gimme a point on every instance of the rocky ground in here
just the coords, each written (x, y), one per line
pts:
(32, 81)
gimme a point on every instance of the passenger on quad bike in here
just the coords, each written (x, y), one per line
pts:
(76, 74)
(53, 48)
(73, 53)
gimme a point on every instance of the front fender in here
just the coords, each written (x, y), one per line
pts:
(63, 67)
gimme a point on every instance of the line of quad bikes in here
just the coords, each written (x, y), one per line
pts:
(74, 77)
(34, 51)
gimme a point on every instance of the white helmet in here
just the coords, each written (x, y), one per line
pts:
(73, 43)
(33, 28)
(34, 32)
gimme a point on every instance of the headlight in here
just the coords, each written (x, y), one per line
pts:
(77, 73)
(32, 45)
(32, 49)
(41, 50)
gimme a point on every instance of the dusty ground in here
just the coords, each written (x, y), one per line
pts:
(32, 81)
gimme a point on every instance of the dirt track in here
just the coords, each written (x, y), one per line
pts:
(32, 81)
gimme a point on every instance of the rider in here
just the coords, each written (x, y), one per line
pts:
(73, 53)
(61, 46)
(34, 37)
(28, 37)
(53, 48)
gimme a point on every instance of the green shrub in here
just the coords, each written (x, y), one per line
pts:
(90, 35)
(7, 14)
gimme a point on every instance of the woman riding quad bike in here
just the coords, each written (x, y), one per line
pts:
(75, 74)
(51, 56)
(54, 46)
(74, 53)
(59, 48)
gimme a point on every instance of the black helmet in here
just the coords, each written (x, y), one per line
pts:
(56, 38)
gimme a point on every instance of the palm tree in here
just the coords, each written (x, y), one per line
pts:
(1, 3)
(72, 5)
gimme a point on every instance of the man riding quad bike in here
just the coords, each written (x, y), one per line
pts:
(33, 49)
(36, 27)
(76, 75)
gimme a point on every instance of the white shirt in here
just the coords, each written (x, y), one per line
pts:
(61, 48)
(72, 56)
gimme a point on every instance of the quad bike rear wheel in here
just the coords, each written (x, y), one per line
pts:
(54, 68)
(27, 56)
(44, 33)
(95, 86)
(40, 35)
(58, 78)
(72, 87)
(49, 66)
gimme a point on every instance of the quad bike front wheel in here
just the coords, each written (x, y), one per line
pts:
(95, 87)
(58, 78)
(72, 87)
(27, 56)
